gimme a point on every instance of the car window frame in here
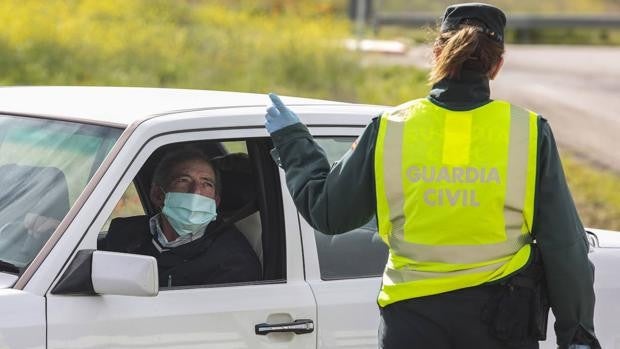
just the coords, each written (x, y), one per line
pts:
(138, 157)
(269, 193)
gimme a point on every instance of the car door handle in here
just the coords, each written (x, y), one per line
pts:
(300, 326)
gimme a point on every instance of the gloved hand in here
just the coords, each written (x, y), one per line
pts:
(278, 115)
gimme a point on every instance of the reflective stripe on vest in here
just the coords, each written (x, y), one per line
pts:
(455, 195)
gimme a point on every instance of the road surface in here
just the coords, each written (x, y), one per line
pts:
(576, 88)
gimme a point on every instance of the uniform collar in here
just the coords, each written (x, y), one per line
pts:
(469, 91)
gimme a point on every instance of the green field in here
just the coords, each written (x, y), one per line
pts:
(288, 46)
(596, 192)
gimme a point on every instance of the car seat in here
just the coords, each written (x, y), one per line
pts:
(357, 253)
(33, 201)
(238, 197)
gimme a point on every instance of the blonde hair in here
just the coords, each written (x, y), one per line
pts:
(469, 43)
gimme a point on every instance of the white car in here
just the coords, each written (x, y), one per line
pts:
(73, 158)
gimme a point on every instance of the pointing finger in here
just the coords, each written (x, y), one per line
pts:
(276, 101)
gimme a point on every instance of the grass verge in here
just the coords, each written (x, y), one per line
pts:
(595, 191)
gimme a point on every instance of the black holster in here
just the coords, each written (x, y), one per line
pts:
(518, 312)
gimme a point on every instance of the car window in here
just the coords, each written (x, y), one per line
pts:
(354, 254)
(129, 205)
(235, 147)
(44, 166)
(192, 251)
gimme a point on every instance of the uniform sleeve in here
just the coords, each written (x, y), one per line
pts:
(332, 199)
(564, 247)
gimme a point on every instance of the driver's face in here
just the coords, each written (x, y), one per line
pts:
(193, 176)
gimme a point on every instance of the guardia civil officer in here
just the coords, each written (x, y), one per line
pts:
(470, 197)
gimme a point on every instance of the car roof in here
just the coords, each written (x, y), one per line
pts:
(120, 106)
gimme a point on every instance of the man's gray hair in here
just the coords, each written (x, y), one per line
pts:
(161, 175)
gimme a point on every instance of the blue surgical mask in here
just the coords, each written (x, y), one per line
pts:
(188, 213)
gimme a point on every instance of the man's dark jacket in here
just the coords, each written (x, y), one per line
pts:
(221, 255)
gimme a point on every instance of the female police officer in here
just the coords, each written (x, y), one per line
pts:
(462, 187)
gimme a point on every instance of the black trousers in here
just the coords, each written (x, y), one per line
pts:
(450, 320)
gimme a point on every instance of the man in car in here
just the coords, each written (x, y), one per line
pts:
(191, 244)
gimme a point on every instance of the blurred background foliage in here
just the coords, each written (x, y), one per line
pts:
(225, 45)
(293, 47)
(596, 192)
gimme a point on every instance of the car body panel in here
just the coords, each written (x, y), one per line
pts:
(344, 311)
(212, 317)
(607, 308)
(607, 289)
(7, 280)
(606, 238)
(22, 324)
(347, 312)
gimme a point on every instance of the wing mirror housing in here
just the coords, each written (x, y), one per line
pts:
(94, 272)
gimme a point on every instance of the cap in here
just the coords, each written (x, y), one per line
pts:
(493, 19)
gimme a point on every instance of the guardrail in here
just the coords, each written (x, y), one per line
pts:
(516, 21)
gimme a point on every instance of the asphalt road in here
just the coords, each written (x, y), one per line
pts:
(576, 88)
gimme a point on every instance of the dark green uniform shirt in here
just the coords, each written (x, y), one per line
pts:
(324, 195)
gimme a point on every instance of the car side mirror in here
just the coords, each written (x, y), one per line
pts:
(94, 272)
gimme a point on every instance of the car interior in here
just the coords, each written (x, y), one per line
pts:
(35, 200)
(250, 195)
(357, 253)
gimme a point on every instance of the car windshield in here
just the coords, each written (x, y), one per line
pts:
(44, 166)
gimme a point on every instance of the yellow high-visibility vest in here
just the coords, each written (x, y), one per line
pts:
(455, 195)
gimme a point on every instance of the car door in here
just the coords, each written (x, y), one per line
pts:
(344, 271)
(198, 316)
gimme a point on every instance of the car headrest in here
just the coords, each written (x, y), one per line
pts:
(237, 183)
(33, 189)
